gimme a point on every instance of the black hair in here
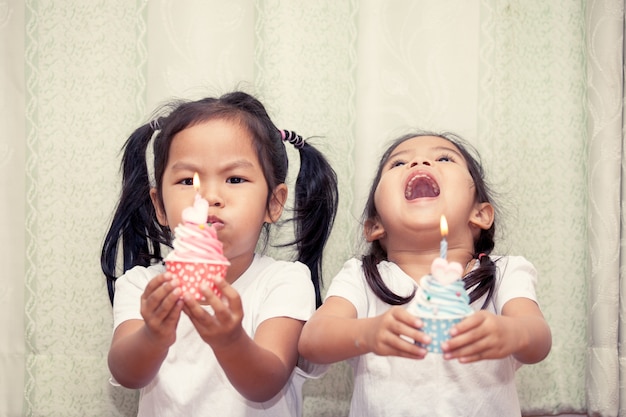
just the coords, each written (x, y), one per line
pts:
(134, 227)
(478, 282)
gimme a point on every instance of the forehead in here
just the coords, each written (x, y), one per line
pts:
(426, 144)
(213, 143)
(214, 133)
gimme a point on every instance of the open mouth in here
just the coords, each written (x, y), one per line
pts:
(421, 185)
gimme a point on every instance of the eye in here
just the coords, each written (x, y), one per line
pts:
(446, 158)
(396, 163)
(186, 181)
(235, 180)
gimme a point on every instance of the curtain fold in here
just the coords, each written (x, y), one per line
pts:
(12, 204)
(605, 98)
(536, 86)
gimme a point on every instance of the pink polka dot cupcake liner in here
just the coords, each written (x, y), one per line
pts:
(191, 275)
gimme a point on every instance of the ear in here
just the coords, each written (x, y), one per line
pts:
(158, 207)
(373, 230)
(482, 216)
(277, 203)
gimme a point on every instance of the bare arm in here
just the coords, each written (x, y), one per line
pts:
(334, 333)
(258, 368)
(520, 331)
(139, 347)
(534, 335)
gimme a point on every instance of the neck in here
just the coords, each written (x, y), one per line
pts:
(417, 263)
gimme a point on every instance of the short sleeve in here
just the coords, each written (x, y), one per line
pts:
(349, 284)
(287, 292)
(518, 278)
(128, 290)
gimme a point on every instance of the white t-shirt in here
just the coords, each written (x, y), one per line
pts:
(395, 387)
(190, 381)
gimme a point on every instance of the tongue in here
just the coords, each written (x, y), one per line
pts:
(422, 190)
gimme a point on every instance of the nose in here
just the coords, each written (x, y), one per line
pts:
(213, 196)
(420, 161)
(215, 200)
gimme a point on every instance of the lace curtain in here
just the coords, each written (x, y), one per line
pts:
(537, 87)
(606, 364)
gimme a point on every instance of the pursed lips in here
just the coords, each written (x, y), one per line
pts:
(216, 222)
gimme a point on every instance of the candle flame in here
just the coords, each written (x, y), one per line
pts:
(196, 181)
(444, 226)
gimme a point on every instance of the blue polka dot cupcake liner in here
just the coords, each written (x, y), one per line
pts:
(439, 330)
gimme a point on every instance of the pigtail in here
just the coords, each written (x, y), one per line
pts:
(377, 284)
(133, 228)
(481, 280)
(316, 200)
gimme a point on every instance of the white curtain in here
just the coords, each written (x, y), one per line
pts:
(536, 85)
(606, 367)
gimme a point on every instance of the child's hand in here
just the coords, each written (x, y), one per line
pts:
(224, 326)
(520, 331)
(483, 335)
(160, 309)
(393, 333)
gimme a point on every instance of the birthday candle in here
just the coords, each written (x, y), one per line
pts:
(443, 246)
(199, 211)
(196, 186)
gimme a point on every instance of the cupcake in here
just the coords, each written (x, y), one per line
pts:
(197, 256)
(441, 301)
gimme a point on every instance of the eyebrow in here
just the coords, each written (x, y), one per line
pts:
(436, 148)
(182, 166)
(238, 163)
(450, 149)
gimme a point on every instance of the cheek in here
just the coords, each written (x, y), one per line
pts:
(173, 214)
(161, 213)
(382, 197)
(254, 208)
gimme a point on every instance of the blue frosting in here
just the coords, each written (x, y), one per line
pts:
(434, 299)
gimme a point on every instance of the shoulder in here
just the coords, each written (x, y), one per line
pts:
(266, 274)
(272, 288)
(349, 284)
(271, 268)
(517, 277)
(352, 270)
(352, 266)
(515, 265)
(352, 274)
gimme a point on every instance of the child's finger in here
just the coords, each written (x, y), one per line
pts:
(467, 324)
(470, 344)
(231, 301)
(420, 337)
(193, 307)
(156, 282)
(406, 346)
(159, 296)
